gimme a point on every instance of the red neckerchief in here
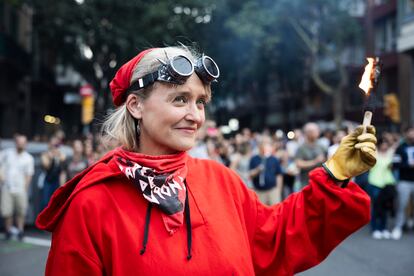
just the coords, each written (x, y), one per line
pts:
(160, 179)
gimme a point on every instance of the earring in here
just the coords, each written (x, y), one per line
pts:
(138, 128)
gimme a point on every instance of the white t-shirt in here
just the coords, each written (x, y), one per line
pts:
(16, 167)
(292, 147)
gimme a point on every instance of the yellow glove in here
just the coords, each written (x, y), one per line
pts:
(356, 154)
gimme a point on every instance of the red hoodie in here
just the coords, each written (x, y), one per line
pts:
(98, 220)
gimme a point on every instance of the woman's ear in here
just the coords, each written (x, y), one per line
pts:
(134, 105)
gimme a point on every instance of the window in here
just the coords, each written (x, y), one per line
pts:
(385, 35)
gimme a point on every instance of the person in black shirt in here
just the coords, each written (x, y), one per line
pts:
(404, 164)
(52, 162)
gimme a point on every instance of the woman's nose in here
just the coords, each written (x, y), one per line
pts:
(194, 113)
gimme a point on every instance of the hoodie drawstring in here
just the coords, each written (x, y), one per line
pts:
(188, 225)
(146, 230)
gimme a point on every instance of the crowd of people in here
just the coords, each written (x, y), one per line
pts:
(274, 165)
(59, 163)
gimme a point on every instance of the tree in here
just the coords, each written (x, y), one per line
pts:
(325, 28)
(96, 36)
(262, 46)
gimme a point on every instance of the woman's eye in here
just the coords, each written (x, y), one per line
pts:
(202, 101)
(180, 99)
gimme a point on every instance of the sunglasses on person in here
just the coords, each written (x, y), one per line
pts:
(177, 70)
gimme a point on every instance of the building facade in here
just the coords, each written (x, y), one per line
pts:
(28, 89)
(405, 47)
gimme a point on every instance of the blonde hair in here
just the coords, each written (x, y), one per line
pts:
(120, 126)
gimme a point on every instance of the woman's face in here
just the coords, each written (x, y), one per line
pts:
(383, 147)
(78, 146)
(88, 148)
(171, 117)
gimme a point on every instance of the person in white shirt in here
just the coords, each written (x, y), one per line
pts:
(17, 167)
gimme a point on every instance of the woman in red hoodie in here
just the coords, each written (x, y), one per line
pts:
(147, 208)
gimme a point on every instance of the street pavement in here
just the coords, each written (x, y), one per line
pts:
(361, 255)
(358, 255)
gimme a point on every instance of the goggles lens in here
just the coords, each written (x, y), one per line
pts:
(182, 66)
(211, 67)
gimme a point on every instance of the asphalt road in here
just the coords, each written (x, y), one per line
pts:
(362, 255)
(358, 255)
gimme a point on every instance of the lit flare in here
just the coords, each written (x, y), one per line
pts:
(366, 83)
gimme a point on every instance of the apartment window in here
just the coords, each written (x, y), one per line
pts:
(385, 35)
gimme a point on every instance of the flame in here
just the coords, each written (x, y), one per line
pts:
(367, 77)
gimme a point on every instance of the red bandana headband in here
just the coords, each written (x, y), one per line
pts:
(122, 80)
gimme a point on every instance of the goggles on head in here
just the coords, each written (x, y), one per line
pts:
(177, 70)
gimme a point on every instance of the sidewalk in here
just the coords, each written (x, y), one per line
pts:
(361, 255)
(24, 258)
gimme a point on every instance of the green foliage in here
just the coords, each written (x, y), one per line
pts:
(292, 36)
(114, 30)
(255, 42)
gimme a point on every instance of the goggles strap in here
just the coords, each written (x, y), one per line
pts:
(144, 81)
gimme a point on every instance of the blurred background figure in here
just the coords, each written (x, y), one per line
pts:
(240, 161)
(294, 143)
(53, 163)
(250, 137)
(77, 162)
(326, 140)
(266, 173)
(404, 163)
(224, 150)
(200, 149)
(212, 146)
(60, 137)
(17, 167)
(339, 134)
(381, 190)
(103, 146)
(291, 175)
(310, 154)
(90, 153)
